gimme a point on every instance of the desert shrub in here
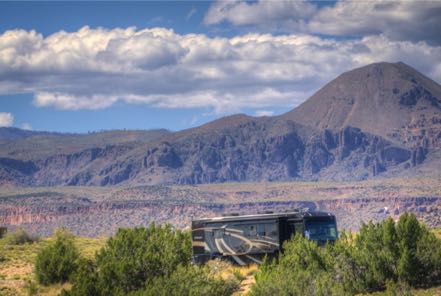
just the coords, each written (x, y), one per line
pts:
(84, 280)
(303, 269)
(186, 281)
(409, 232)
(377, 251)
(346, 268)
(428, 252)
(19, 237)
(405, 251)
(3, 231)
(386, 255)
(58, 260)
(133, 258)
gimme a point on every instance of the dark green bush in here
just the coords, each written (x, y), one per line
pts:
(84, 280)
(377, 251)
(346, 268)
(19, 237)
(132, 259)
(134, 256)
(303, 269)
(188, 281)
(428, 252)
(386, 255)
(57, 261)
(3, 231)
(406, 252)
(146, 261)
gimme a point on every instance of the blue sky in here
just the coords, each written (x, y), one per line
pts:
(51, 17)
(84, 66)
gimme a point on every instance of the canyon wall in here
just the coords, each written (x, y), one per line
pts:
(93, 218)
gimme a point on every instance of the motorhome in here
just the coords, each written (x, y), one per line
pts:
(246, 239)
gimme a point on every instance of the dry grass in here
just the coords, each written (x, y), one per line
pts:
(435, 291)
(437, 232)
(53, 290)
(18, 268)
(243, 274)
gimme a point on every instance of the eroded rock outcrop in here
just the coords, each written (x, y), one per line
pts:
(84, 217)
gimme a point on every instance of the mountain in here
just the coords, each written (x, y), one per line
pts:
(393, 101)
(379, 120)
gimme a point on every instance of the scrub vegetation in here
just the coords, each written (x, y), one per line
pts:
(387, 258)
(139, 261)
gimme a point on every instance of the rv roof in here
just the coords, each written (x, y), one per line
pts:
(265, 216)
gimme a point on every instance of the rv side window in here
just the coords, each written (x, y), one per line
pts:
(271, 230)
(252, 230)
(298, 228)
(261, 229)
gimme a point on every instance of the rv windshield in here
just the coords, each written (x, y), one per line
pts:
(321, 230)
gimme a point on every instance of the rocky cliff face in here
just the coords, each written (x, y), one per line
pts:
(257, 150)
(93, 218)
(379, 120)
(94, 211)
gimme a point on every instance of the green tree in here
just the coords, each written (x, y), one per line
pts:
(385, 255)
(302, 269)
(84, 280)
(134, 257)
(377, 251)
(346, 267)
(429, 255)
(57, 261)
(409, 233)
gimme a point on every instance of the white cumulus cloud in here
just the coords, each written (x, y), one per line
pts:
(96, 68)
(6, 119)
(262, 12)
(398, 20)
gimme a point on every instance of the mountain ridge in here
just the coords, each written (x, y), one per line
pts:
(392, 96)
(379, 120)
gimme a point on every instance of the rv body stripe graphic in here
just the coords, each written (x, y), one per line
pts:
(253, 259)
(199, 244)
(218, 245)
(225, 249)
(238, 260)
(232, 252)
